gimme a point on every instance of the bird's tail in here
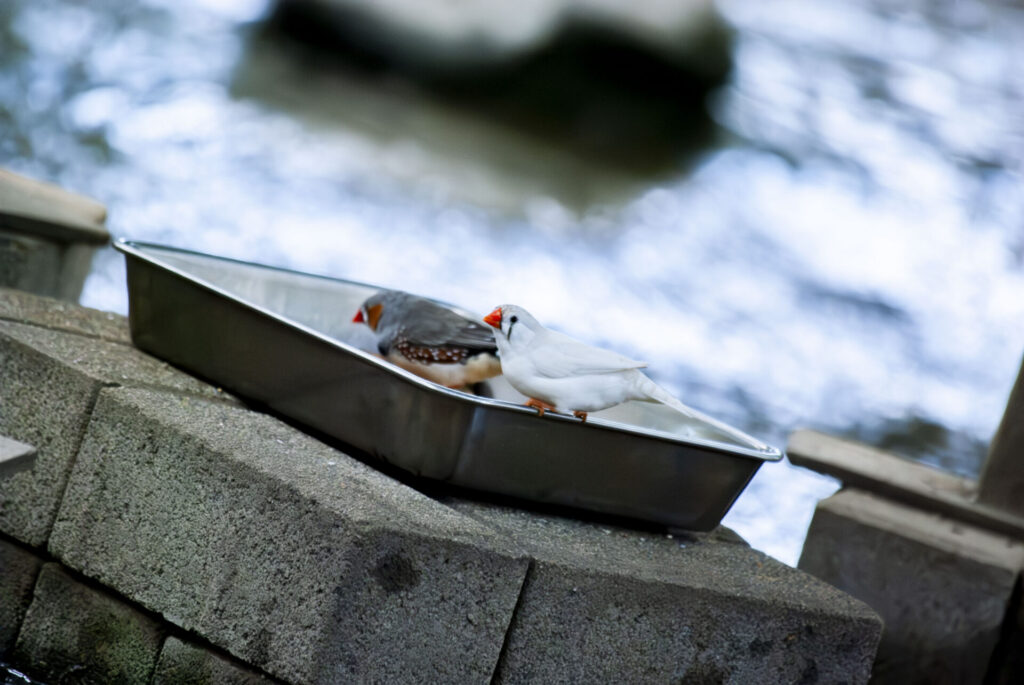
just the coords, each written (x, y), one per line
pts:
(656, 393)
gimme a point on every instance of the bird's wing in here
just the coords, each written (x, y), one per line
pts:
(560, 356)
(434, 325)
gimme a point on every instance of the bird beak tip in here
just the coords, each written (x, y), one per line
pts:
(494, 318)
(358, 318)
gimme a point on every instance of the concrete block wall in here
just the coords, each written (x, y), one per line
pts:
(47, 236)
(73, 632)
(195, 540)
(41, 265)
(183, 662)
(17, 580)
(944, 587)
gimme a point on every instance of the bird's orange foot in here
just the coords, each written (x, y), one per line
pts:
(540, 405)
(581, 415)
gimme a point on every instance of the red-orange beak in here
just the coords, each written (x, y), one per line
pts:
(358, 318)
(494, 318)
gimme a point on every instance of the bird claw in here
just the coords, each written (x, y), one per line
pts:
(581, 415)
(540, 405)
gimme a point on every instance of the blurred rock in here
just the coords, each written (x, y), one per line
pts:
(442, 36)
(622, 88)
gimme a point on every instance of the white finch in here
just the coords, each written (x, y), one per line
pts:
(429, 339)
(559, 373)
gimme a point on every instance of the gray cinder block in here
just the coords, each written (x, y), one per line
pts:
(107, 362)
(23, 307)
(183, 662)
(18, 571)
(41, 265)
(287, 553)
(942, 587)
(604, 604)
(47, 236)
(50, 382)
(46, 404)
(73, 633)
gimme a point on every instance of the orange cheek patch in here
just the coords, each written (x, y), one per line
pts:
(374, 315)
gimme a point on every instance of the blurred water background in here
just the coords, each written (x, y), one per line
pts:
(835, 242)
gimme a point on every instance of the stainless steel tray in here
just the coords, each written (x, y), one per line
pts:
(285, 339)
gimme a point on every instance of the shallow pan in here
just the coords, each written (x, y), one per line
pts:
(285, 339)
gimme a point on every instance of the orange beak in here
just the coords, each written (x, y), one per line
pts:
(358, 318)
(494, 318)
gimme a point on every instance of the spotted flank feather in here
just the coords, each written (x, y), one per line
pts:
(431, 355)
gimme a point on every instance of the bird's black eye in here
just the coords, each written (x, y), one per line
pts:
(511, 324)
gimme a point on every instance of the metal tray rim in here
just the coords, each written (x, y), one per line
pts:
(767, 453)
